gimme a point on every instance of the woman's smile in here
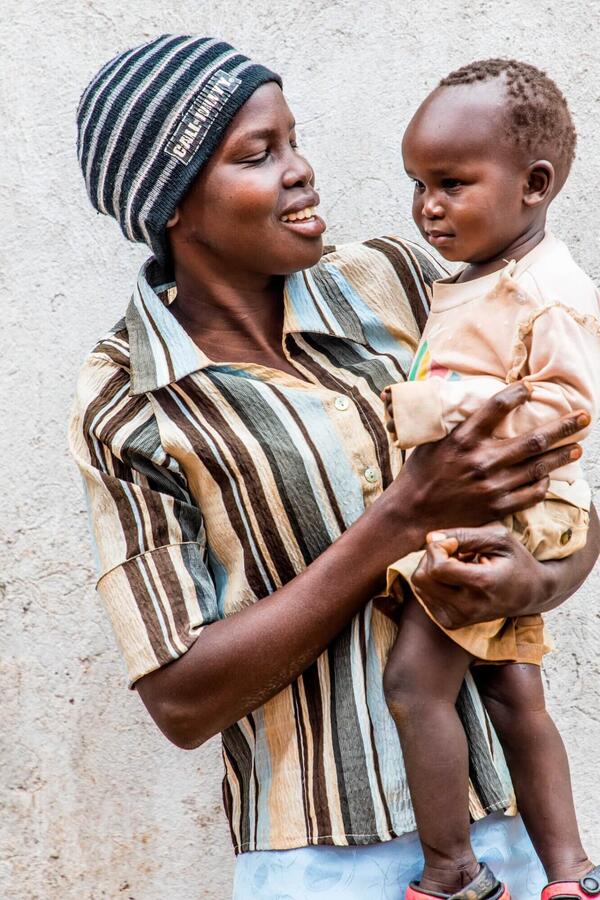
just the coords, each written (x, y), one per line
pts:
(302, 218)
(312, 227)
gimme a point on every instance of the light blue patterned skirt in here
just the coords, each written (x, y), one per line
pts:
(383, 871)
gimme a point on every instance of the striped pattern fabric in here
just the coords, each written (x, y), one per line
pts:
(150, 119)
(210, 485)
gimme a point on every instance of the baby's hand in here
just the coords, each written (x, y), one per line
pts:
(386, 396)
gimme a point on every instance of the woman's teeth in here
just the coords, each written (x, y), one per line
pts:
(306, 213)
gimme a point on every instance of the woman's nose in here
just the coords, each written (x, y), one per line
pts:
(298, 172)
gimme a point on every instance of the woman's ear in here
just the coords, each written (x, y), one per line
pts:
(174, 219)
(540, 183)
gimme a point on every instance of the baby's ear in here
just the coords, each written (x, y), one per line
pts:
(540, 182)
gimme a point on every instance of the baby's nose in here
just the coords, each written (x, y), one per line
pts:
(432, 208)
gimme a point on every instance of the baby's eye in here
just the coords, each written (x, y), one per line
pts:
(450, 184)
(419, 186)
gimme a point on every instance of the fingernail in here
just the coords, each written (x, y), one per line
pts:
(436, 536)
(575, 453)
(583, 420)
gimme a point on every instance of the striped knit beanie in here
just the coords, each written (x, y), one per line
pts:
(150, 119)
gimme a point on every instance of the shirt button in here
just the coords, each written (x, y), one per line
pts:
(341, 403)
(372, 474)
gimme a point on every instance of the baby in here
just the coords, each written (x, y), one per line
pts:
(488, 151)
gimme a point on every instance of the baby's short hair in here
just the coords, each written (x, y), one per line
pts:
(538, 113)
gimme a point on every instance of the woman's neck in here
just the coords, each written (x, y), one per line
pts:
(232, 317)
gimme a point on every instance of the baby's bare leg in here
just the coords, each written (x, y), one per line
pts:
(513, 695)
(422, 680)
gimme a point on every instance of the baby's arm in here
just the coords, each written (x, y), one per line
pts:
(562, 356)
(560, 364)
(424, 411)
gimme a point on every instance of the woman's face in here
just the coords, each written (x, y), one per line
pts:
(241, 210)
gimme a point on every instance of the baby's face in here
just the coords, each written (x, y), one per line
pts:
(469, 183)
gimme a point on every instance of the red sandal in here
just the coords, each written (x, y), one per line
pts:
(588, 886)
(485, 886)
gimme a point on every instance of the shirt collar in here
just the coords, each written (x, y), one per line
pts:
(162, 352)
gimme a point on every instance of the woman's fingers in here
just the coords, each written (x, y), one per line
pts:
(459, 593)
(485, 421)
(539, 467)
(492, 538)
(455, 592)
(525, 485)
(536, 444)
(519, 498)
(447, 569)
(442, 564)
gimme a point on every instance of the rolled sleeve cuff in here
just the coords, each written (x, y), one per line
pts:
(401, 572)
(158, 603)
(417, 410)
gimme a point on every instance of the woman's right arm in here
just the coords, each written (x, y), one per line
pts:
(239, 663)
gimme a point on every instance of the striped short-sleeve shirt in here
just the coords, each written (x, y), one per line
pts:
(211, 485)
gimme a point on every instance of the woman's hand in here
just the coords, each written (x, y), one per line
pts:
(470, 477)
(503, 580)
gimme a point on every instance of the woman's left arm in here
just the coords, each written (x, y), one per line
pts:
(507, 581)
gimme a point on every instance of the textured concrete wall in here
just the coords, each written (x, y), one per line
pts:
(94, 802)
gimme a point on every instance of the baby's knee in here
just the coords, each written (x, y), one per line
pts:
(402, 688)
(512, 690)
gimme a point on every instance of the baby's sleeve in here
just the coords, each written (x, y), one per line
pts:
(557, 353)
(428, 410)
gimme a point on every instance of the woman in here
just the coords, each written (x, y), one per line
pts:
(229, 434)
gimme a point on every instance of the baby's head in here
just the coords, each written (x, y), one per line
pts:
(488, 150)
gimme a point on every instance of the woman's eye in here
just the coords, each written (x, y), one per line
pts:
(255, 160)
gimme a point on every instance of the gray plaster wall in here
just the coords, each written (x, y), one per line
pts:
(94, 802)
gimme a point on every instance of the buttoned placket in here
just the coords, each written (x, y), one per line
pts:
(368, 470)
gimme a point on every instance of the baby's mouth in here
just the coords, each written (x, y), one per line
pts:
(435, 236)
